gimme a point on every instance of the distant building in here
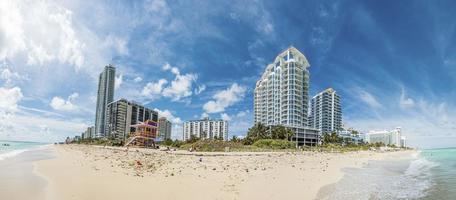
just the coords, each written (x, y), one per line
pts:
(325, 111)
(281, 96)
(88, 133)
(91, 131)
(351, 136)
(122, 114)
(164, 128)
(206, 128)
(105, 96)
(392, 137)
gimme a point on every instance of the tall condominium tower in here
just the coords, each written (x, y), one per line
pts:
(122, 114)
(282, 94)
(326, 113)
(105, 96)
(164, 128)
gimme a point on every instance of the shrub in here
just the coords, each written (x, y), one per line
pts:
(211, 145)
(274, 144)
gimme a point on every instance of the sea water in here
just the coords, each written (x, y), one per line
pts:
(9, 149)
(427, 174)
(443, 175)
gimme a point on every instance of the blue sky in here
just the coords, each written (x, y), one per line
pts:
(393, 63)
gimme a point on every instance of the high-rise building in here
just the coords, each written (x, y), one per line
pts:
(164, 128)
(325, 111)
(281, 96)
(105, 96)
(206, 128)
(122, 114)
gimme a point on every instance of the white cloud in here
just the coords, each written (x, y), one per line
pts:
(369, 99)
(204, 115)
(242, 113)
(166, 113)
(405, 102)
(137, 79)
(225, 117)
(57, 103)
(200, 89)
(154, 90)
(225, 98)
(11, 32)
(9, 97)
(119, 44)
(118, 81)
(178, 88)
(173, 70)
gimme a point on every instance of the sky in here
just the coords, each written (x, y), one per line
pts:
(392, 62)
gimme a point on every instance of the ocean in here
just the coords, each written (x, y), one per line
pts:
(427, 174)
(18, 180)
(9, 149)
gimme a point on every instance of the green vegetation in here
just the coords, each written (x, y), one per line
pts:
(274, 144)
(258, 138)
(260, 131)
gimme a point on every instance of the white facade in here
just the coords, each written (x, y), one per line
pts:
(164, 128)
(392, 137)
(281, 96)
(206, 128)
(325, 111)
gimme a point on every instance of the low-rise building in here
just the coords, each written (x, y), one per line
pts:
(206, 129)
(351, 135)
(387, 137)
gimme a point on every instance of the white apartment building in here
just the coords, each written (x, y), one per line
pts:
(392, 137)
(325, 111)
(281, 96)
(206, 128)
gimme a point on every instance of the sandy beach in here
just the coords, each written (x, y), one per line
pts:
(93, 172)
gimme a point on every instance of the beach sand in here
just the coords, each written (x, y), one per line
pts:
(93, 172)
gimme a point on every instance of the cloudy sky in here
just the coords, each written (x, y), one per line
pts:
(393, 63)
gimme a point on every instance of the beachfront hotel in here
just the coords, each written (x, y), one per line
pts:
(281, 96)
(164, 128)
(105, 96)
(206, 129)
(122, 114)
(387, 137)
(325, 111)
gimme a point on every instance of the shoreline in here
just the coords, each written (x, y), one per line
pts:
(89, 172)
(20, 179)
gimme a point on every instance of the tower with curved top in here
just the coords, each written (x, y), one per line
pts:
(281, 95)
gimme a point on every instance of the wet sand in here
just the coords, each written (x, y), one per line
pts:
(18, 181)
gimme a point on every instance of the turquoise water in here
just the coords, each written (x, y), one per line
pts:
(428, 174)
(443, 174)
(10, 149)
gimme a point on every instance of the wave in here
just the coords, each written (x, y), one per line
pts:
(401, 179)
(416, 180)
(13, 153)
